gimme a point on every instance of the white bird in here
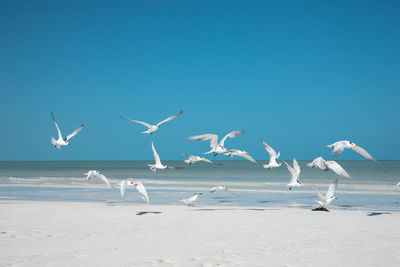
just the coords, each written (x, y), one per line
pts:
(191, 199)
(153, 128)
(295, 174)
(215, 146)
(158, 164)
(221, 188)
(339, 146)
(273, 156)
(192, 159)
(63, 141)
(240, 153)
(139, 187)
(96, 175)
(398, 184)
(328, 165)
(330, 194)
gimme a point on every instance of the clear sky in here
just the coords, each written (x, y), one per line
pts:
(298, 74)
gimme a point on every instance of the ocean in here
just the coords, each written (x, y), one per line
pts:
(372, 187)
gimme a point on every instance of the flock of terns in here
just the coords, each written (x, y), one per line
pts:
(219, 148)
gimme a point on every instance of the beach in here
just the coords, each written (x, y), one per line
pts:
(54, 233)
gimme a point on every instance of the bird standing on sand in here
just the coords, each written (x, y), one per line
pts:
(191, 199)
(328, 165)
(216, 147)
(139, 187)
(339, 146)
(273, 157)
(295, 174)
(63, 141)
(153, 128)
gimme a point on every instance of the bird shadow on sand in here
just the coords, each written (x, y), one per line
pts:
(148, 212)
(377, 213)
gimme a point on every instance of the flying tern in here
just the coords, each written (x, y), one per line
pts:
(215, 146)
(158, 164)
(295, 174)
(339, 146)
(139, 187)
(328, 165)
(329, 197)
(240, 153)
(273, 156)
(63, 141)
(193, 159)
(153, 128)
(96, 175)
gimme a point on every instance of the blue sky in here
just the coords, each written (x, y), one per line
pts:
(298, 74)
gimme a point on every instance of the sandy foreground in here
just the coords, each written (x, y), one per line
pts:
(101, 234)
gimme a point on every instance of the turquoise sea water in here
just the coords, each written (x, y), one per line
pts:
(373, 185)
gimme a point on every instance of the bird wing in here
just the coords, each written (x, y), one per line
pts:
(362, 152)
(142, 190)
(74, 132)
(334, 166)
(141, 122)
(170, 118)
(215, 188)
(291, 170)
(296, 168)
(321, 196)
(248, 157)
(331, 190)
(122, 187)
(156, 156)
(231, 135)
(212, 137)
(318, 162)
(270, 150)
(58, 129)
(102, 178)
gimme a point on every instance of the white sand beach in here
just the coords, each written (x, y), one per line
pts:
(100, 234)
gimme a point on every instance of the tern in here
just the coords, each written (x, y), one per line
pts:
(339, 146)
(153, 128)
(272, 157)
(158, 164)
(63, 141)
(328, 165)
(295, 174)
(329, 197)
(139, 187)
(191, 199)
(96, 175)
(221, 188)
(215, 146)
(193, 159)
(240, 153)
